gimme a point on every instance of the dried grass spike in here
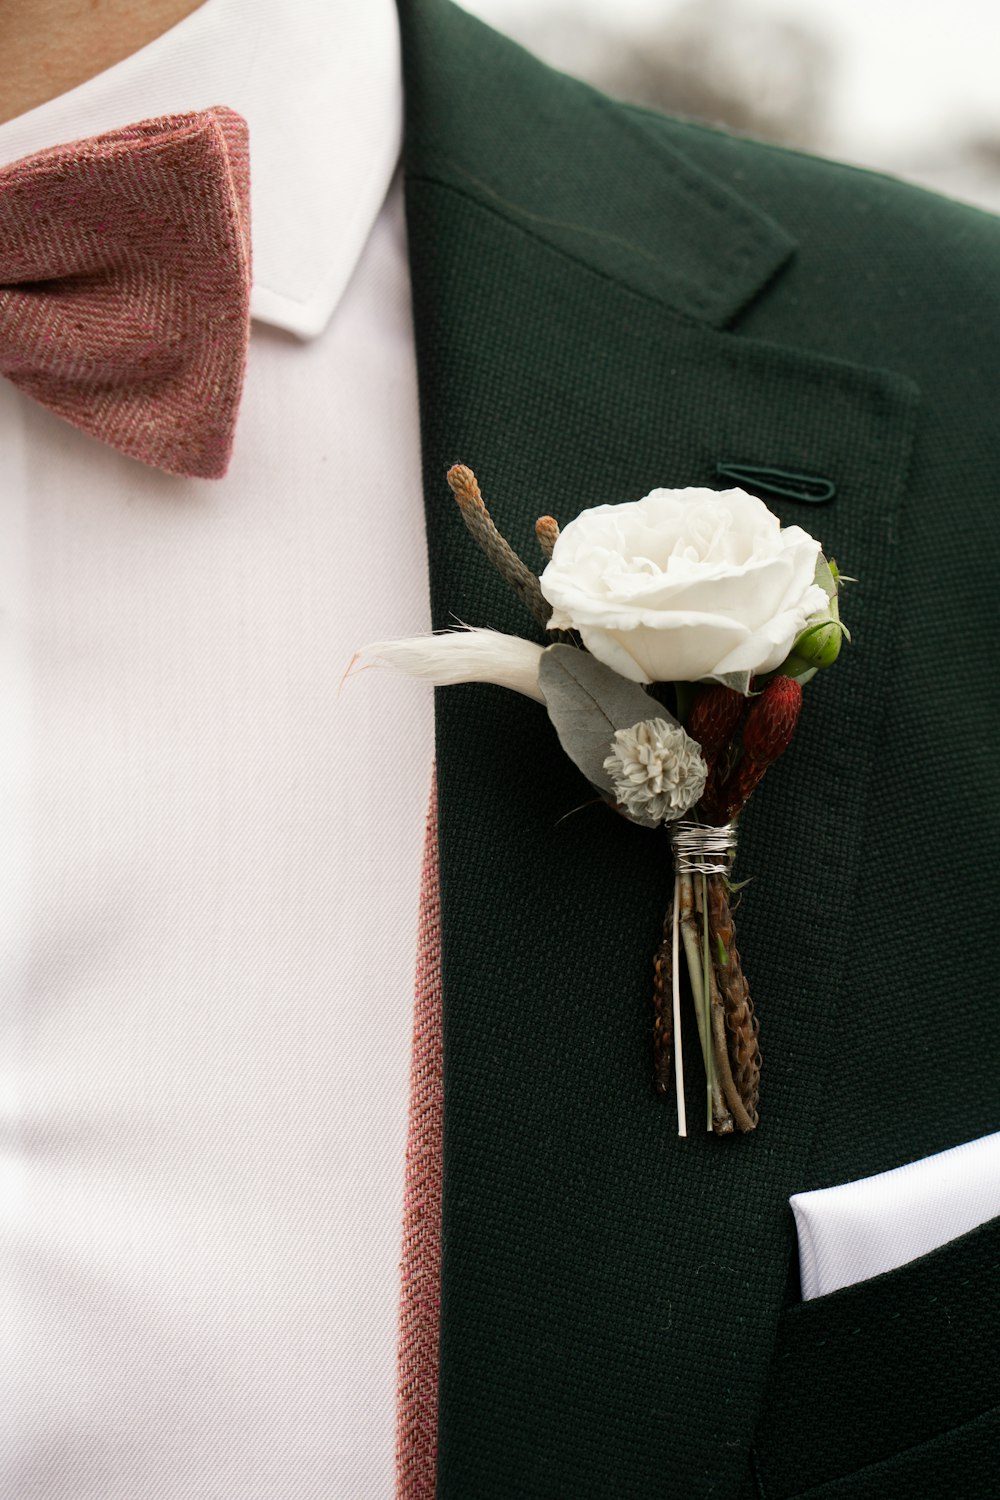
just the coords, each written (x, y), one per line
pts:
(547, 532)
(498, 550)
(742, 1026)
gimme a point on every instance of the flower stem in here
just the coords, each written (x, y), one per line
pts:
(676, 996)
(707, 999)
(685, 694)
(721, 1120)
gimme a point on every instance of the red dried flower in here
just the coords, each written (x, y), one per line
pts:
(714, 719)
(771, 721)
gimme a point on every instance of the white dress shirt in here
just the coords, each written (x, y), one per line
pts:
(211, 853)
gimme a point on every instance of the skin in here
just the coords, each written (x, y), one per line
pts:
(50, 46)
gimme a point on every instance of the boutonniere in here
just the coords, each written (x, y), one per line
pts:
(684, 626)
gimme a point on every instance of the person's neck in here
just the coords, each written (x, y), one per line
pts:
(50, 46)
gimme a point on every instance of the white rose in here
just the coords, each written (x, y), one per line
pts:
(684, 585)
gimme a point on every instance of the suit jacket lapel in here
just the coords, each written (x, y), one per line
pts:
(609, 1292)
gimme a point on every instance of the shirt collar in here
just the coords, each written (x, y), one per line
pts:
(319, 83)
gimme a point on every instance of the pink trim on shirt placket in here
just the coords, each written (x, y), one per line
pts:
(420, 1272)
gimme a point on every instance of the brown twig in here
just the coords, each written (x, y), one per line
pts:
(720, 1049)
(742, 1026)
(663, 1007)
(501, 554)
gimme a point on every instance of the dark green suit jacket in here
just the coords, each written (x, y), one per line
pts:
(607, 300)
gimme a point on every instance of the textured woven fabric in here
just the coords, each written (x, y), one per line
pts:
(606, 301)
(890, 1383)
(420, 1275)
(125, 285)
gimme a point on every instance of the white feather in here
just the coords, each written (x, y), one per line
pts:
(466, 655)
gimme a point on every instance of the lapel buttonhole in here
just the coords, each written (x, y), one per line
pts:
(813, 489)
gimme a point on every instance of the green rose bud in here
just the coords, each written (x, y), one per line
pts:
(817, 647)
(818, 644)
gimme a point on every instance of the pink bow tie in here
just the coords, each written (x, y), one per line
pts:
(125, 285)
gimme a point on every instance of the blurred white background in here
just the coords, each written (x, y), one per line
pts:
(905, 86)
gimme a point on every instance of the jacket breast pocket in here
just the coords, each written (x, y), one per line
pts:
(890, 1387)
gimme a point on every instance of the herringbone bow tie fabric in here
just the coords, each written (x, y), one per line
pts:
(125, 285)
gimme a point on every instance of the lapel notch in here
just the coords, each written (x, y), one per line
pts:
(603, 184)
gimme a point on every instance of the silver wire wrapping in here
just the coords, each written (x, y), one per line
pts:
(702, 848)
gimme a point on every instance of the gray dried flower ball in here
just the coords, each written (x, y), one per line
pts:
(657, 771)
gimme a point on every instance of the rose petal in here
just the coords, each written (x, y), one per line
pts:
(683, 584)
(685, 650)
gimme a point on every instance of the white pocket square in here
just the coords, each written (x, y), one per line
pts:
(859, 1229)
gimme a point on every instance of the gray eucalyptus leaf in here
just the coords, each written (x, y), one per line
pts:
(587, 702)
